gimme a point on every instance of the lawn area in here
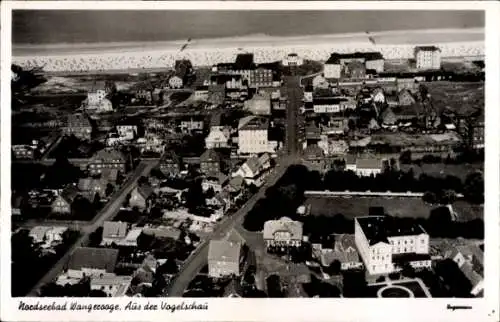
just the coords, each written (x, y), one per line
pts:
(442, 169)
(459, 97)
(397, 207)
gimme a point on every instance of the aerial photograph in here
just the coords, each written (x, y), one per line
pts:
(248, 154)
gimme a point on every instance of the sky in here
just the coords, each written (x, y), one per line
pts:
(81, 26)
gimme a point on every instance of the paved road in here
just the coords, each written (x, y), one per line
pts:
(198, 258)
(294, 95)
(107, 213)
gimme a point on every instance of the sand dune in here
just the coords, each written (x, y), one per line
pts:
(108, 56)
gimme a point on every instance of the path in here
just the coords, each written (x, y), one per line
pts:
(107, 213)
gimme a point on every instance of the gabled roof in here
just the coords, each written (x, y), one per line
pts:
(223, 250)
(145, 190)
(313, 151)
(236, 182)
(388, 116)
(70, 193)
(210, 155)
(114, 229)
(96, 258)
(283, 224)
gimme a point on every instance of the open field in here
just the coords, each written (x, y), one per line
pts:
(352, 207)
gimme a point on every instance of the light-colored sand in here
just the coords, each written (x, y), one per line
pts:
(392, 44)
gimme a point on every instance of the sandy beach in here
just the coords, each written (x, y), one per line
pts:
(203, 52)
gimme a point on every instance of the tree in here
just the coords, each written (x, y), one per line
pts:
(474, 187)
(447, 197)
(97, 201)
(169, 267)
(143, 181)
(109, 189)
(334, 267)
(95, 237)
(119, 178)
(429, 197)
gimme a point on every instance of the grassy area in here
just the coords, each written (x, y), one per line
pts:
(462, 98)
(442, 169)
(397, 207)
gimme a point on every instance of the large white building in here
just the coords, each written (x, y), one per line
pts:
(219, 137)
(292, 60)
(253, 135)
(428, 57)
(386, 246)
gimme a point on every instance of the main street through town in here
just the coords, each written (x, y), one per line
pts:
(193, 265)
(107, 213)
(198, 258)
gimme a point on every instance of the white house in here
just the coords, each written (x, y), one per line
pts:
(127, 132)
(111, 284)
(332, 67)
(253, 136)
(386, 246)
(259, 104)
(428, 57)
(219, 137)
(175, 82)
(283, 233)
(364, 167)
(292, 60)
(47, 235)
(97, 101)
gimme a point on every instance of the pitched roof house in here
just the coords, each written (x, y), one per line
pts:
(210, 162)
(92, 261)
(283, 232)
(62, 203)
(139, 197)
(223, 258)
(113, 232)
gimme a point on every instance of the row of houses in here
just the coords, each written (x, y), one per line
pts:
(358, 65)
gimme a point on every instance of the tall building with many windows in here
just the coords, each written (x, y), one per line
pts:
(428, 57)
(386, 245)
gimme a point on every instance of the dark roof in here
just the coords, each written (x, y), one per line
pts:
(170, 157)
(210, 155)
(221, 79)
(328, 100)
(69, 193)
(145, 190)
(336, 57)
(427, 48)
(400, 259)
(97, 258)
(379, 228)
(244, 62)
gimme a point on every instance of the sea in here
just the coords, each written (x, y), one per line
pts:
(38, 27)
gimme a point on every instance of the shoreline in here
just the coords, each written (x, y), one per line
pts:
(207, 52)
(381, 37)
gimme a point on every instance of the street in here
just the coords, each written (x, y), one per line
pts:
(107, 213)
(198, 258)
